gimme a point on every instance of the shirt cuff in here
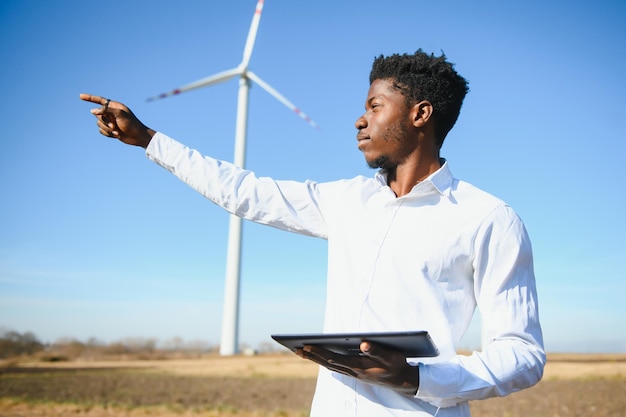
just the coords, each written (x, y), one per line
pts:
(437, 380)
(155, 145)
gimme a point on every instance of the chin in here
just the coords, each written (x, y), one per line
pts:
(372, 163)
(380, 162)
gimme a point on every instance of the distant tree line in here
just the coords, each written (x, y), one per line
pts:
(14, 344)
(18, 344)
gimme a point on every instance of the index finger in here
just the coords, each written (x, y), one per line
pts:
(93, 99)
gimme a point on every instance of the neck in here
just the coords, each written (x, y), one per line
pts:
(404, 177)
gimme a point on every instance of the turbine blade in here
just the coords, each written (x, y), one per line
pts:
(280, 98)
(254, 27)
(212, 79)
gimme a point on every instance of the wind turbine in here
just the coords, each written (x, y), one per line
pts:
(230, 320)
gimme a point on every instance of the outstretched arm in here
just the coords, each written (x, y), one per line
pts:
(115, 120)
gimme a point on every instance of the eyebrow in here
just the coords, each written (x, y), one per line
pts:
(369, 100)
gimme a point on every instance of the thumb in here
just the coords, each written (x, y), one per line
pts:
(370, 349)
(382, 353)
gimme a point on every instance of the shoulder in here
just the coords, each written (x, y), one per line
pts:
(488, 210)
(357, 184)
(472, 198)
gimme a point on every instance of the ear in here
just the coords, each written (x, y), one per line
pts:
(422, 113)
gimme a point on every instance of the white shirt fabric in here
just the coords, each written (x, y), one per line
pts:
(423, 261)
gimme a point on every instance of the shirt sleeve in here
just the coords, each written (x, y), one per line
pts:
(513, 357)
(287, 205)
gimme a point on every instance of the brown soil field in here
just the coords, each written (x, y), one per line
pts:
(279, 385)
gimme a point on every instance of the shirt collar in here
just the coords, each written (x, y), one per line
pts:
(441, 180)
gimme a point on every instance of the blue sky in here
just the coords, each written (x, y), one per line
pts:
(97, 241)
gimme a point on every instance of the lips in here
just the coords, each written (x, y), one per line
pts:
(362, 141)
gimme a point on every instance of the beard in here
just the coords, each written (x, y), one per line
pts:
(383, 162)
(394, 133)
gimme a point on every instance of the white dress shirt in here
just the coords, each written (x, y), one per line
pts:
(422, 261)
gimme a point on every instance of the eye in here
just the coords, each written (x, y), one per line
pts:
(373, 104)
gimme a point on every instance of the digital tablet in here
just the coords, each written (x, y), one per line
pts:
(412, 343)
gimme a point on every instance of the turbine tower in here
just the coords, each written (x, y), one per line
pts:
(230, 320)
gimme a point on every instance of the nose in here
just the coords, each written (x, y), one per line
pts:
(360, 123)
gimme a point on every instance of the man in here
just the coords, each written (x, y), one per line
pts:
(412, 248)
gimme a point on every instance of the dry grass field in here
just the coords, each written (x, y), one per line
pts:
(277, 385)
